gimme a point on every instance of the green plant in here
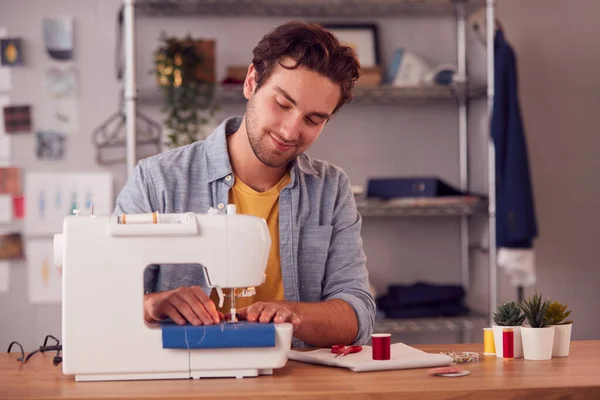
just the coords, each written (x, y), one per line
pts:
(509, 314)
(535, 310)
(180, 67)
(557, 313)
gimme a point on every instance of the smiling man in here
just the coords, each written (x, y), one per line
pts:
(316, 273)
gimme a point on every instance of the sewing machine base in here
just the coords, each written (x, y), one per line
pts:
(232, 373)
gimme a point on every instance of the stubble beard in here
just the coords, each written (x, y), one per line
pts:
(259, 142)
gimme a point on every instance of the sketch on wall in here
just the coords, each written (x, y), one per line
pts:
(50, 197)
(44, 278)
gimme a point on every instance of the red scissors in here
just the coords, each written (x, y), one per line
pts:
(343, 350)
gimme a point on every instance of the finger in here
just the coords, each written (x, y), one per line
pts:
(191, 298)
(268, 313)
(208, 304)
(184, 309)
(285, 315)
(171, 312)
(196, 307)
(254, 311)
(242, 314)
(282, 315)
(221, 316)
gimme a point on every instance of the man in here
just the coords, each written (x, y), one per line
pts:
(316, 274)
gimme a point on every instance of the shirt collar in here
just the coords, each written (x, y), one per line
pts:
(217, 156)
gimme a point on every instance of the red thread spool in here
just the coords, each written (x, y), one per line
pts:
(508, 344)
(381, 343)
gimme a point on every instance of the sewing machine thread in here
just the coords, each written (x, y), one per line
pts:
(508, 344)
(151, 218)
(489, 347)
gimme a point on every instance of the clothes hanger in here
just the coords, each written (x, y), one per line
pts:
(112, 132)
(477, 22)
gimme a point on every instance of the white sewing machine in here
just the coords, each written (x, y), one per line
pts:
(103, 260)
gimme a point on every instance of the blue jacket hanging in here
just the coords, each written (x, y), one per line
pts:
(516, 224)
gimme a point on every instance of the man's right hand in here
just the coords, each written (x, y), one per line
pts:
(184, 304)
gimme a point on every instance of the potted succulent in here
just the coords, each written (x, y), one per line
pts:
(538, 337)
(556, 315)
(508, 314)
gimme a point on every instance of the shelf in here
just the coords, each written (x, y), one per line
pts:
(373, 208)
(380, 95)
(423, 325)
(302, 8)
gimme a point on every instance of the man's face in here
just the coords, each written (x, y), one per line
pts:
(287, 114)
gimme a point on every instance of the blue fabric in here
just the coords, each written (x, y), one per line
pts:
(516, 224)
(224, 335)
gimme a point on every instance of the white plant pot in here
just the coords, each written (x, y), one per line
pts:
(562, 340)
(537, 342)
(518, 351)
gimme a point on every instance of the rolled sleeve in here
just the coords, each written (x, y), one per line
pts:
(347, 277)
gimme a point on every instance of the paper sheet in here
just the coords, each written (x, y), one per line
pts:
(5, 145)
(4, 71)
(44, 278)
(4, 276)
(402, 357)
(6, 209)
(50, 197)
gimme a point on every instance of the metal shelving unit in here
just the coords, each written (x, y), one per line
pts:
(301, 8)
(371, 208)
(380, 95)
(377, 96)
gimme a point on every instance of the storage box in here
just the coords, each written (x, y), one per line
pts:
(390, 188)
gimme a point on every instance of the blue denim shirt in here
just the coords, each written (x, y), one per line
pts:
(321, 249)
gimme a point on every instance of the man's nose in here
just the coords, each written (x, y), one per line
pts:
(290, 129)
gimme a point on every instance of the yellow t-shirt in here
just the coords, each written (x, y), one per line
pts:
(265, 205)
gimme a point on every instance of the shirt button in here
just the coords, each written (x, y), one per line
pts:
(221, 206)
(228, 178)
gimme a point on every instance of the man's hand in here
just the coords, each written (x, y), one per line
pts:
(183, 304)
(265, 312)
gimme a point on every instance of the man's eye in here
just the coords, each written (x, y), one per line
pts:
(311, 122)
(282, 106)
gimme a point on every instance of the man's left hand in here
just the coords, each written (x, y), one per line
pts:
(265, 312)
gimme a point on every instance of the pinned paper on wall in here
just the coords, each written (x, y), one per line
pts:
(6, 209)
(50, 197)
(5, 84)
(43, 277)
(11, 246)
(17, 119)
(58, 37)
(50, 145)
(12, 52)
(4, 276)
(60, 111)
(18, 206)
(5, 144)
(10, 181)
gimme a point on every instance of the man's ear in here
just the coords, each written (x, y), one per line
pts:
(250, 82)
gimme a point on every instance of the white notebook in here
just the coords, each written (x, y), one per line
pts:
(401, 357)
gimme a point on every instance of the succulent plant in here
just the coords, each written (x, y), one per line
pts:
(509, 314)
(557, 313)
(535, 310)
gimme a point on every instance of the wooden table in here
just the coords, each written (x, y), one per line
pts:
(576, 376)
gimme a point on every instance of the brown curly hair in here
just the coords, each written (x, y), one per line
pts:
(311, 45)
